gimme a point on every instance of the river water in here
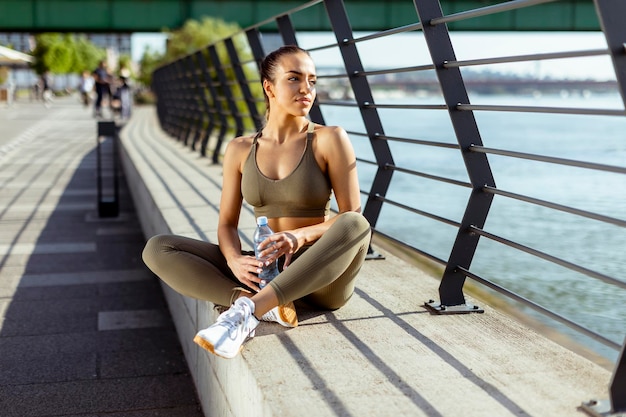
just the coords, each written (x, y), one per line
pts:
(594, 245)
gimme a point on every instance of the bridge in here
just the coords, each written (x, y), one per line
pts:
(366, 15)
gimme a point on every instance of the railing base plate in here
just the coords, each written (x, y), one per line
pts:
(437, 308)
(373, 255)
(601, 408)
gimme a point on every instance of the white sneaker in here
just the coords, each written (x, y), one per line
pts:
(284, 315)
(226, 336)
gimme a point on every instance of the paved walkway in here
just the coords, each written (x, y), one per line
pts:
(84, 328)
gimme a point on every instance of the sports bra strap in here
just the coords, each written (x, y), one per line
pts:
(309, 132)
(257, 136)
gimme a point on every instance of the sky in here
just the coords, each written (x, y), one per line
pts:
(409, 49)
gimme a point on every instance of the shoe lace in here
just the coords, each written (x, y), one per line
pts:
(232, 318)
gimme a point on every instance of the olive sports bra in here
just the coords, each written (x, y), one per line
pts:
(305, 192)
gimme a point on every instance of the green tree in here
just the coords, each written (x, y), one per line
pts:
(195, 35)
(43, 45)
(87, 55)
(64, 54)
(150, 60)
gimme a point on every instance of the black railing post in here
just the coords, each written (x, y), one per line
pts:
(217, 102)
(617, 388)
(288, 34)
(171, 86)
(174, 94)
(204, 111)
(188, 105)
(165, 97)
(189, 108)
(197, 107)
(161, 87)
(615, 406)
(243, 84)
(611, 15)
(363, 94)
(178, 102)
(230, 100)
(210, 112)
(256, 46)
(477, 166)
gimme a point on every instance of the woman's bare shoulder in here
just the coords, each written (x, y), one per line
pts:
(329, 131)
(240, 144)
(331, 137)
(237, 151)
(242, 141)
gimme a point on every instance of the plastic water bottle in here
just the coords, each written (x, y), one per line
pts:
(260, 234)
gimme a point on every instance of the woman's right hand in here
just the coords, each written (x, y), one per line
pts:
(246, 268)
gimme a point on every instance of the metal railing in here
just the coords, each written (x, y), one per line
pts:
(214, 94)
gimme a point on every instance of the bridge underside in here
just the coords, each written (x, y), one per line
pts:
(369, 15)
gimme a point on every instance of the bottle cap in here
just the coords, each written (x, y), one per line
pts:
(261, 221)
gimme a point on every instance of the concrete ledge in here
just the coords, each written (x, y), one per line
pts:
(381, 355)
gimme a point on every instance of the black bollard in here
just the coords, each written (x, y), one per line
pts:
(108, 187)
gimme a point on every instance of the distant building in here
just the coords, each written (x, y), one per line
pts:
(22, 42)
(118, 42)
(25, 42)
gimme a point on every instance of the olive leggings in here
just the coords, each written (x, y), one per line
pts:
(322, 274)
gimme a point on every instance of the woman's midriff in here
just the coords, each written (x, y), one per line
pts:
(289, 223)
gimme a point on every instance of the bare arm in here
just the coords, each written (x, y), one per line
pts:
(242, 266)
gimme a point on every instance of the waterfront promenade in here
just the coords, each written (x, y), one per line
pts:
(84, 328)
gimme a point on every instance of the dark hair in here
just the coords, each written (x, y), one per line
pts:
(269, 64)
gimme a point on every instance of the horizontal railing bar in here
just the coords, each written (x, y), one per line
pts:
(429, 176)
(338, 103)
(393, 31)
(540, 309)
(366, 161)
(549, 159)
(522, 58)
(419, 142)
(539, 109)
(417, 211)
(410, 247)
(329, 76)
(352, 132)
(406, 106)
(273, 18)
(488, 10)
(322, 47)
(395, 70)
(555, 206)
(559, 261)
